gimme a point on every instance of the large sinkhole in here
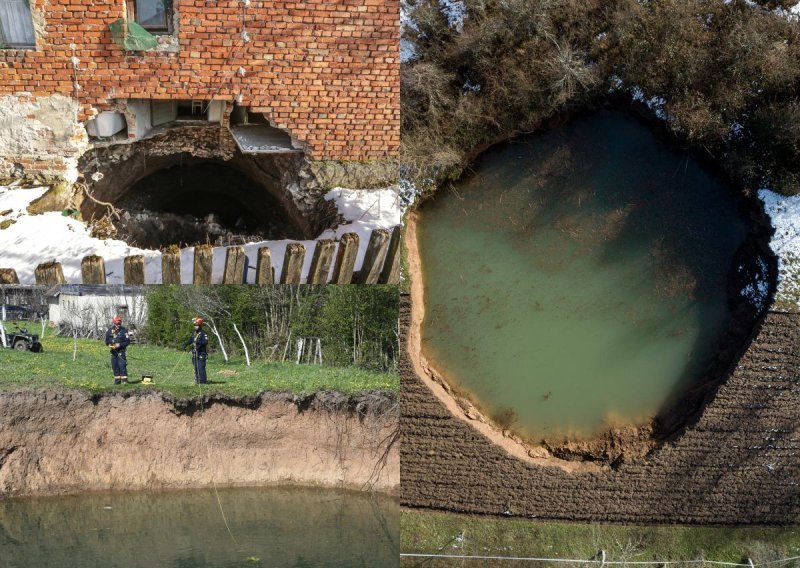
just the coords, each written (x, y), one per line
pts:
(579, 279)
(201, 203)
(157, 200)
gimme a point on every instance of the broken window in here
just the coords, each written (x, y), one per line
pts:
(153, 15)
(16, 24)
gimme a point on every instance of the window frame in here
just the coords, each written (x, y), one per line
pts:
(155, 30)
(6, 45)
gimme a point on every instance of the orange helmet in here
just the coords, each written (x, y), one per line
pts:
(197, 321)
(117, 320)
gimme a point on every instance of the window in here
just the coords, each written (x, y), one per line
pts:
(153, 15)
(16, 25)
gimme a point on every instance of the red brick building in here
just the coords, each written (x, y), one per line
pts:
(324, 72)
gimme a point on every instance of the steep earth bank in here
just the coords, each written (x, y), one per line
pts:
(70, 441)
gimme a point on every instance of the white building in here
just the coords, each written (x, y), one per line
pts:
(89, 309)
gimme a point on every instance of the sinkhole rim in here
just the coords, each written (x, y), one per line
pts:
(675, 417)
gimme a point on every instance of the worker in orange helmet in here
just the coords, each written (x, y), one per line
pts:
(198, 342)
(118, 339)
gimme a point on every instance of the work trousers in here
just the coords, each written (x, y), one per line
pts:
(119, 364)
(199, 362)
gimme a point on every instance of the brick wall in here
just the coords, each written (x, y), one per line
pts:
(328, 72)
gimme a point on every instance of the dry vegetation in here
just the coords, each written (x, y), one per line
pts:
(715, 64)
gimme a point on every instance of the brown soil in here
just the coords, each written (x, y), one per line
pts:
(738, 463)
(69, 441)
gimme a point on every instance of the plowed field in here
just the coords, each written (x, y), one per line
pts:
(738, 463)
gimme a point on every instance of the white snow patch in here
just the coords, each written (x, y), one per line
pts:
(365, 210)
(654, 103)
(406, 19)
(408, 49)
(784, 213)
(758, 290)
(471, 87)
(14, 201)
(455, 11)
(409, 192)
(736, 130)
(35, 239)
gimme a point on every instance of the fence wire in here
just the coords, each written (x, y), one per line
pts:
(601, 562)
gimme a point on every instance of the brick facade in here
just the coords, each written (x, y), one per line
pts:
(325, 71)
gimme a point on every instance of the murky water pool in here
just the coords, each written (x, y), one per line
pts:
(578, 278)
(268, 527)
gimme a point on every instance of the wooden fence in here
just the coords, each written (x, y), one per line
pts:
(381, 264)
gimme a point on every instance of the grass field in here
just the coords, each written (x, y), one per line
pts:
(173, 371)
(449, 533)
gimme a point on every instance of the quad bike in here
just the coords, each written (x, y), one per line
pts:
(22, 340)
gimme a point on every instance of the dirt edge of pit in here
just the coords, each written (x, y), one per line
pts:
(627, 443)
(67, 441)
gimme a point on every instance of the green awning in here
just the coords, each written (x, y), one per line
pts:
(131, 36)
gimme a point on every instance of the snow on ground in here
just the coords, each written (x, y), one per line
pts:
(35, 239)
(455, 11)
(757, 291)
(784, 212)
(654, 103)
(408, 50)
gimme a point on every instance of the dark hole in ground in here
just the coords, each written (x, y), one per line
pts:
(201, 203)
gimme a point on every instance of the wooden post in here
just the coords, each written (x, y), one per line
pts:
(391, 266)
(321, 262)
(49, 274)
(293, 263)
(203, 261)
(133, 270)
(171, 266)
(264, 274)
(93, 270)
(374, 257)
(345, 259)
(234, 265)
(8, 276)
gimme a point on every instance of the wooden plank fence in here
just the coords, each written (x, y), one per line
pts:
(381, 264)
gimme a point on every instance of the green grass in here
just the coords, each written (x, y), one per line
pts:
(437, 532)
(173, 371)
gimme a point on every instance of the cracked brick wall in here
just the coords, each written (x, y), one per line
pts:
(327, 72)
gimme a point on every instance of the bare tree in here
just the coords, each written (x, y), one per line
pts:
(206, 302)
(244, 345)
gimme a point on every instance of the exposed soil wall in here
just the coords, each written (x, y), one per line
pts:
(738, 463)
(69, 441)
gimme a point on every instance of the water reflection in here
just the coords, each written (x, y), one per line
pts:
(268, 527)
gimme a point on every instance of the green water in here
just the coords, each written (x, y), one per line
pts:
(577, 279)
(272, 527)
